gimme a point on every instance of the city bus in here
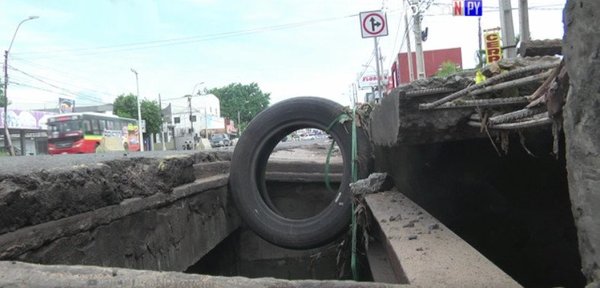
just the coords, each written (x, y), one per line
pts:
(74, 133)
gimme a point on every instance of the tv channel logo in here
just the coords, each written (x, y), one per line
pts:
(467, 8)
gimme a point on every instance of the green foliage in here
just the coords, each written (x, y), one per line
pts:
(126, 106)
(447, 68)
(151, 113)
(248, 100)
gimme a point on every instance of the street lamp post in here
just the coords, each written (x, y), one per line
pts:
(190, 105)
(137, 85)
(7, 140)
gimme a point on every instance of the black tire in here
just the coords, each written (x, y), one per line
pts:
(249, 160)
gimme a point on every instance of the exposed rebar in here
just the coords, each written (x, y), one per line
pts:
(429, 91)
(515, 115)
(537, 120)
(490, 81)
(484, 103)
(512, 83)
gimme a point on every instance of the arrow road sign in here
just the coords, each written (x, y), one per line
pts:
(373, 24)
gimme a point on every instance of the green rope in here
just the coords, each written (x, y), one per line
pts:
(327, 177)
(354, 260)
(341, 119)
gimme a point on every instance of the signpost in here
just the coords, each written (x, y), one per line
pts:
(373, 24)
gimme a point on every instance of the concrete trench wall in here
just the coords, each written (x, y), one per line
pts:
(514, 209)
(127, 215)
(151, 226)
(581, 47)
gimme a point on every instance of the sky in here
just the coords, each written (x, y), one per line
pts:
(85, 50)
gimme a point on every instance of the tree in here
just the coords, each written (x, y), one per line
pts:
(151, 113)
(126, 106)
(248, 100)
(447, 68)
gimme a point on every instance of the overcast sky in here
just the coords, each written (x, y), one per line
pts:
(85, 49)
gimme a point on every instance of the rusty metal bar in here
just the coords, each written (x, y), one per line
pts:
(484, 103)
(513, 83)
(515, 115)
(536, 120)
(490, 81)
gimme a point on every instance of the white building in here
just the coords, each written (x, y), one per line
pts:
(204, 111)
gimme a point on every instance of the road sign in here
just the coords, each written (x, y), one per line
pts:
(467, 8)
(373, 24)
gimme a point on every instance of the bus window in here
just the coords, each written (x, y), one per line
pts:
(87, 127)
(109, 125)
(102, 125)
(95, 127)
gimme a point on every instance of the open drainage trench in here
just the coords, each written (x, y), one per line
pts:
(514, 209)
(295, 185)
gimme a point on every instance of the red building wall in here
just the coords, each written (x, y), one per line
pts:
(433, 60)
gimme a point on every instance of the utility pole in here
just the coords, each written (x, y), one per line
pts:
(524, 21)
(7, 140)
(379, 89)
(354, 92)
(190, 109)
(139, 110)
(205, 123)
(508, 30)
(480, 51)
(162, 123)
(418, 42)
(411, 72)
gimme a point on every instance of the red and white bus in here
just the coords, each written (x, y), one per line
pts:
(91, 132)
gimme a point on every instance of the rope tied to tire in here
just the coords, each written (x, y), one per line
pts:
(342, 118)
(248, 183)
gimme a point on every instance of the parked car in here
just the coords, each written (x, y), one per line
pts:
(220, 140)
(307, 137)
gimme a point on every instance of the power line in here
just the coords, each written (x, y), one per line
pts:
(72, 94)
(181, 40)
(396, 37)
(44, 89)
(56, 71)
(405, 35)
(63, 83)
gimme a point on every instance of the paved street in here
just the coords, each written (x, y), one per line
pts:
(28, 164)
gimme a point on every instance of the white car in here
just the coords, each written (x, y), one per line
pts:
(307, 137)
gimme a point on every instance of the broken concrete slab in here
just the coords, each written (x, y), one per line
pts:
(439, 109)
(425, 252)
(376, 182)
(540, 47)
(18, 274)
